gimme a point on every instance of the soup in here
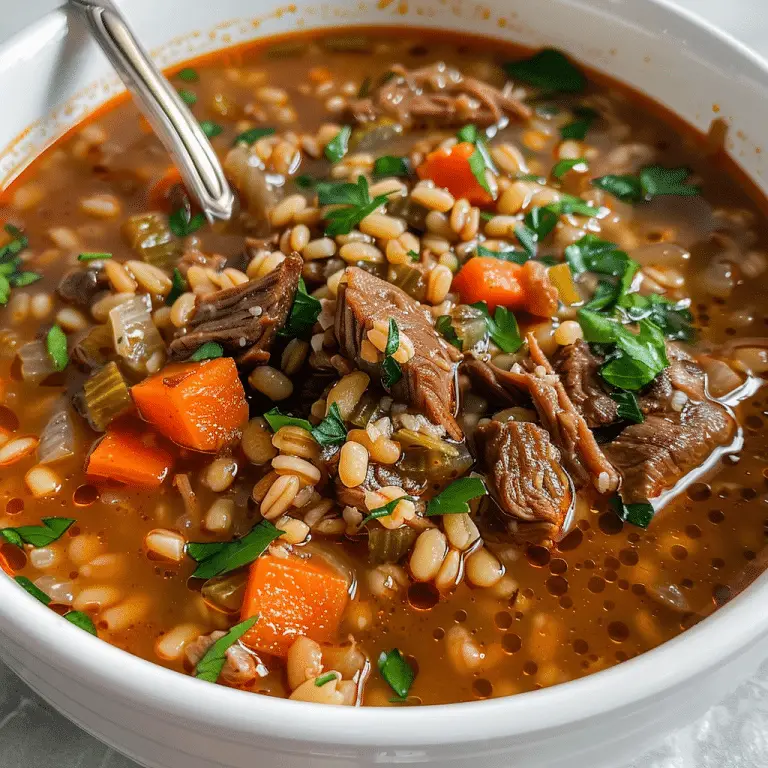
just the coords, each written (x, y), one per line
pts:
(464, 402)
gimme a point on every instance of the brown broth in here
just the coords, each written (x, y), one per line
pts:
(578, 609)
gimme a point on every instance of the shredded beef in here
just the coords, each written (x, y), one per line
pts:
(677, 435)
(428, 377)
(243, 319)
(437, 95)
(197, 258)
(485, 382)
(378, 476)
(578, 369)
(80, 286)
(524, 471)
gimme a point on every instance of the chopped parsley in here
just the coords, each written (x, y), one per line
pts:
(640, 513)
(326, 678)
(216, 558)
(208, 351)
(78, 618)
(563, 166)
(384, 511)
(82, 621)
(93, 256)
(453, 499)
(391, 165)
(330, 431)
(652, 181)
(188, 75)
(277, 420)
(397, 672)
(391, 372)
(444, 326)
(11, 275)
(56, 344)
(517, 257)
(211, 129)
(252, 135)
(355, 201)
(628, 407)
(480, 160)
(502, 327)
(549, 70)
(183, 223)
(52, 529)
(338, 145)
(188, 97)
(33, 590)
(304, 313)
(578, 128)
(210, 666)
(178, 286)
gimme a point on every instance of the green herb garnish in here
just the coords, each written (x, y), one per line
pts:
(36, 592)
(397, 672)
(219, 557)
(563, 166)
(390, 165)
(628, 406)
(93, 256)
(414, 256)
(56, 344)
(326, 678)
(188, 75)
(276, 420)
(211, 129)
(305, 181)
(591, 254)
(640, 513)
(636, 358)
(652, 181)
(178, 286)
(391, 372)
(82, 621)
(52, 529)
(252, 135)
(517, 257)
(502, 327)
(453, 499)
(364, 89)
(384, 511)
(579, 128)
(528, 239)
(208, 351)
(548, 70)
(480, 159)
(304, 313)
(331, 430)
(210, 666)
(674, 318)
(188, 97)
(182, 223)
(444, 326)
(10, 264)
(355, 200)
(338, 145)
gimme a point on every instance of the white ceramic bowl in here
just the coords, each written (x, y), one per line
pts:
(52, 75)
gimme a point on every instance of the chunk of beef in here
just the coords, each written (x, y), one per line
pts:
(80, 286)
(578, 369)
(378, 476)
(193, 257)
(428, 377)
(485, 382)
(524, 471)
(437, 95)
(243, 319)
(682, 428)
(582, 457)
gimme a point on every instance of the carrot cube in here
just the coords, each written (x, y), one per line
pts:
(292, 598)
(197, 405)
(124, 456)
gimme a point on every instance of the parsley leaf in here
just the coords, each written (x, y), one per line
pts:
(517, 257)
(82, 621)
(391, 372)
(331, 430)
(480, 159)
(208, 351)
(563, 166)
(52, 529)
(674, 318)
(541, 221)
(182, 223)
(10, 264)
(384, 511)
(502, 327)
(93, 256)
(397, 672)
(444, 326)
(188, 75)
(178, 286)
(629, 409)
(276, 420)
(216, 558)
(188, 97)
(528, 239)
(33, 590)
(638, 357)
(21, 279)
(453, 499)
(356, 202)
(578, 128)
(548, 70)
(210, 666)
(326, 678)
(304, 313)
(640, 513)
(211, 129)
(591, 254)
(652, 181)
(56, 344)
(338, 145)
(252, 135)
(390, 165)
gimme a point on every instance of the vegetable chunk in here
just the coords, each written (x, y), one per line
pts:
(451, 168)
(200, 406)
(122, 455)
(292, 598)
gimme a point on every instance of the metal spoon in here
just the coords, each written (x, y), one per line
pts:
(168, 115)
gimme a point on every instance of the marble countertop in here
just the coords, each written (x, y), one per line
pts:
(733, 734)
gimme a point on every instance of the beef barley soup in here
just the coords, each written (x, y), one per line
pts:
(465, 402)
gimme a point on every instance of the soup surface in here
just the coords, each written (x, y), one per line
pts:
(465, 401)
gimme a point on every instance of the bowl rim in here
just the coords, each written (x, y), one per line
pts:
(239, 714)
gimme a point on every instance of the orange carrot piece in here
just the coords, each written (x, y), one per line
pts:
(497, 282)
(449, 168)
(159, 192)
(292, 597)
(122, 455)
(197, 405)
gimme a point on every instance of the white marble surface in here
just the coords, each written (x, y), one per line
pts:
(733, 734)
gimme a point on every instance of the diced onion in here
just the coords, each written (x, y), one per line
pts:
(36, 364)
(57, 440)
(135, 336)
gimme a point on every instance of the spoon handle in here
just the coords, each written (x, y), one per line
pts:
(169, 117)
